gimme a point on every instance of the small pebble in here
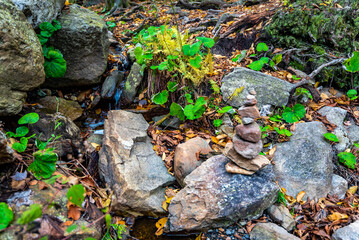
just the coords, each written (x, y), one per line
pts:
(221, 229)
(252, 91)
(247, 120)
(229, 232)
(249, 97)
(228, 238)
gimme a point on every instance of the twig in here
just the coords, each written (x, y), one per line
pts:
(334, 62)
(89, 225)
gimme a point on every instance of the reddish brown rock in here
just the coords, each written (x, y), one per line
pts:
(186, 157)
(250, 102)
(247, 149)
(252, 112)
(233, 168)
(251, 132)
(248, 164)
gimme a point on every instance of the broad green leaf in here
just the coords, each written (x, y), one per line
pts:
(240, 56)
(195, 62)
(352, 64)
(225, 109)
(276, 118)
(45, 34)
(177, 111)
(264, 60)
(189, 98)
(256, 65)
(44, 164)
(331, 137)
(111, 24)
(46, 26)
(33, 212)
(56, 24)
(352, 94)
(6, 215)
(161, 97)
(277, 58)
(108, 220)
(163, 66)
(138, 52)
(76, 194)
(29, 118)
(191, 50)
(21, 146)
(189, 112)
(172, 86)
(217, 122)
(262, 47)
(55, 65)
(348, 159)
(42, 39)
(207, 42)
(292, 116)
(21, 131)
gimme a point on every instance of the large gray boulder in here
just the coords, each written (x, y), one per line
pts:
(270, 90)
(38, 11)
(130, 166)
(270, 231)
(21, 59)
(83, 41)
(215, 198)
(350, 232)
(305, 162)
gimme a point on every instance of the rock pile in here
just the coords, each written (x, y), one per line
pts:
(247, 144)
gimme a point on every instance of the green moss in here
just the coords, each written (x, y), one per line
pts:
(319, 29)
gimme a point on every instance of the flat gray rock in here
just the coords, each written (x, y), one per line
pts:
(305, 162)
(350, 232)
(270, 90)
(339, 186)
(214, 198)
(130, 166)
(270, 231)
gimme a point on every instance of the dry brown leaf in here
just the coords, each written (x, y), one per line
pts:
(74, 212)
(300, 196)
(159, 225)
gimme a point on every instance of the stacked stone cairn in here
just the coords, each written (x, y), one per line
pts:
(244, 150)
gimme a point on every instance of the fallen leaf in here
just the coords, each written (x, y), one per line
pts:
(337, 216)
(300, 196)
(159, 225)
(352, 190)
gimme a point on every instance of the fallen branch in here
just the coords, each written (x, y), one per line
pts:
(202, 5)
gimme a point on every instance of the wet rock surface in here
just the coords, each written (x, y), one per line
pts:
(129, 165)
(215, 198)
(270, 231)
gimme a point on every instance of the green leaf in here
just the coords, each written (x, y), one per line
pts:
(195, 111)
(352, 94)
(138, 52)
(177, 111)
(21, 146)
(191, 50)
(217, 122)
(6, 215)
(195, 62)
(71, 228)
(276, 118)
(189, 98)
(207, 42)
(292, 116)
(277, 58)
(161, 97)
(52, 180)
(44, 164)
(29, 118)
(348, 159)
(225, 109)
(46, 26)
(21, 131)
(56, 24)
(264, 60)
(331, 137)
(295, 77)
(45, 34)
(163, 65)
(240, 56)
(352, 64)
(76, 194)
(111, 24)
(33, 212)
(256, 65)
(42, 39)
(216, 89)
(55, 64)
(262, 47)
(172, 86)
(272, 64)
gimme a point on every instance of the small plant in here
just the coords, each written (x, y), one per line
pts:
(281, 198)
(352, 94)
(44, 164)
(348, 159)
(55, 64)
(6, 215)
(33, 212)
(294, 115)
(217, 122)
(331, 137)
(302, 92)
(22, 131)
(118, 228)
(259, 64)
(283, 131)
(352, 64)
(76, 194)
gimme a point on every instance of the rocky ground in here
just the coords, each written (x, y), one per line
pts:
(146, 174)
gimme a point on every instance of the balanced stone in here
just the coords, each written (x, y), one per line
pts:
(247, 149)
(250, 102)
(252, 112)
(233, 168)
(247, 120)
(250, 132)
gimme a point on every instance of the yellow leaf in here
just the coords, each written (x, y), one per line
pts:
(199, 237)
(214, 139)
(272, 151)
(95, 145)
(159, 225)
(98, 111)
(352, 190)
(300, 196)
(236, 93)
(337, 216)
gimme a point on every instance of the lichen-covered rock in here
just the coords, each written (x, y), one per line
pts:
(350, 232)
(21, 59)
(130, 166)
(215, 198)
(132, 85)
(270, 90)
(68, 108)
(38, 11)
(83, 41)
(305, 162)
